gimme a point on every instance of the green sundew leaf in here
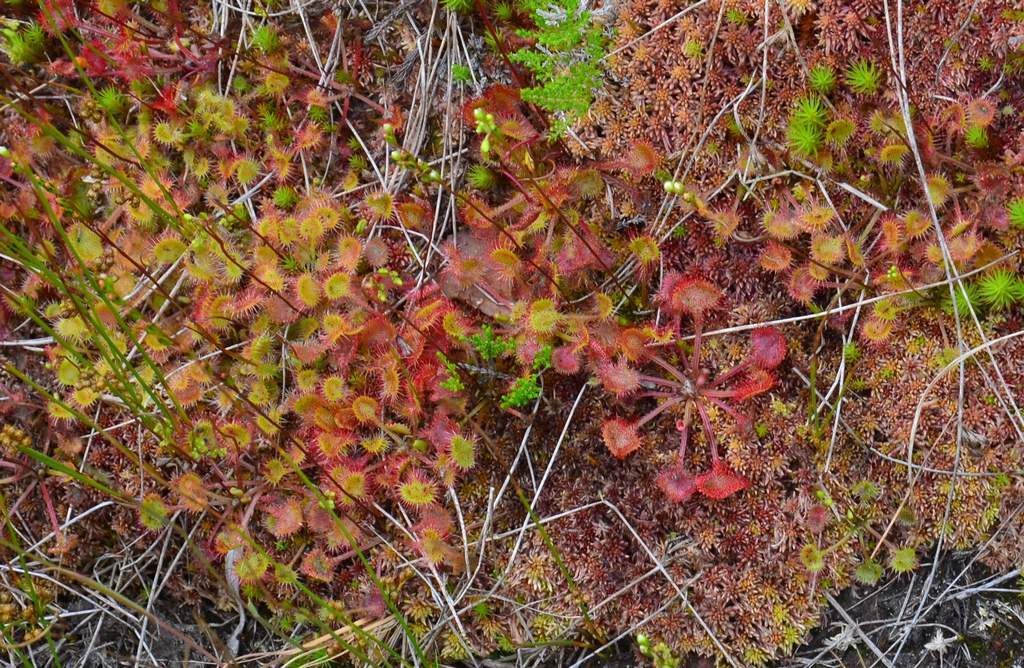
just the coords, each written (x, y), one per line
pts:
(868, 572)
(67, 372)
(153, 512)
(251, 566)
(812, 557)
(85, 242)
(463, 452)
(903, 560)
(416, 492)
(168, 250)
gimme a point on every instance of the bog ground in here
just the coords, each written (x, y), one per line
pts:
(527, 333)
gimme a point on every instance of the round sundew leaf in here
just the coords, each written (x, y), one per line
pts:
(353, 485)
(374, 444)
(463, 452)
(191, 492)
(543, 317)
(817, 518)
(619, 378)
(505, 258)
(720, 482)
(339, 285)
(916, 224)
(828, 249)
(379, 205)
(775, 257)
(307, 289)
(317, 565)
(169, 249)
(365, 408)
(854, 251)
(251, 566)
(620, 436)
(981, 111)
(565, 361)
(417, 491)
(903, 560)
(875, 329)
(86, 243)
(349, 250)
(892, 154)
(868, 572)
(646, 249)
(812, 557)
(724, 222)
(757, 382)
(335, 388)
(433, 547)
(67, 373)
(839, 131)
(677, 483)
(767, 347)
(275, 470)
(153, 512)
(816, 218)
(690, 294)
(939, 189)
(781, 224)
(247, 170)
(283, 518)
(803, 285)
(640, 158)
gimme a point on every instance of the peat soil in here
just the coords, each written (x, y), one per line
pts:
(970, 617)
(979, 623)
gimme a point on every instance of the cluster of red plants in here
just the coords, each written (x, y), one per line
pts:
(692, 389)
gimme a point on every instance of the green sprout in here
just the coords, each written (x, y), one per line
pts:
(264, 39)
(461, 74)
(805, 132)
(459, 6)
(481, 178)
(489, 346)
(736, 17)
(804, 139)
(822, 79)
(24, 46)
(1015, 212)
(863, 77)
(999, 289)
(809, 110)
(111, 100)
(453, 383)
(976, 136)
(285, 197)
(503, 11)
